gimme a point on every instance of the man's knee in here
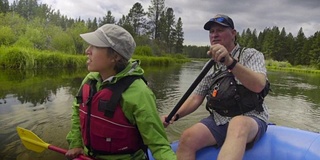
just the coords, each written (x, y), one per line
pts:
(198, 136)
(187, 137)
(242, 122)
(243, 126)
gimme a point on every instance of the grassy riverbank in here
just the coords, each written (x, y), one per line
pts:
(285, 66)
(25, 58)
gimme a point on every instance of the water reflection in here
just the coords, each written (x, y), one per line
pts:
(33, 99)
(296, 85)
(35, 87)
(294, 101)
(41, 101)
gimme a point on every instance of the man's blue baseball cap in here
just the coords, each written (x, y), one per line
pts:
(219, 19)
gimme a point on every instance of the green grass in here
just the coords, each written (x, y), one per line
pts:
(286, 66)
(25, 58)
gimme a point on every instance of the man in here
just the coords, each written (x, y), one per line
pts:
(232, 128)
(114, 115)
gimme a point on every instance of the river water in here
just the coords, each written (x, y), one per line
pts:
(41, 102)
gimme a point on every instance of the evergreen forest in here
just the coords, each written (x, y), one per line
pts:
(30, 24)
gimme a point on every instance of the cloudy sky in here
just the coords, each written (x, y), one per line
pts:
(253, 14)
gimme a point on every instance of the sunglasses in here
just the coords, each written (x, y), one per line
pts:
(222, 20)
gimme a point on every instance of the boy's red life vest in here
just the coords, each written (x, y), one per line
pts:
(104, 127)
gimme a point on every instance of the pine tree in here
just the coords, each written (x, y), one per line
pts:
(4, 6)
(137, 18)
(107, 19)
(180, 39)
(154, 11)
(299, 43)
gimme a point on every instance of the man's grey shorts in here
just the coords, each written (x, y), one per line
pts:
(220, 132)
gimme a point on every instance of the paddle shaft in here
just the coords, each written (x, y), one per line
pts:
(189, 91)
(64, 151)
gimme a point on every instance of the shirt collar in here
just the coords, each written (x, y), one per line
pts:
(108, 79)
(235, 50)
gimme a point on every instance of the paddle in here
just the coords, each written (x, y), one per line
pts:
(32, 142)
(191, 88)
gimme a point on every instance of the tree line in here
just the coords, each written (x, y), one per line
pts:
(275, 44)
(28, 23)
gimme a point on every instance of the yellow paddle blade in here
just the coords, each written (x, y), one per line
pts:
(31, 141)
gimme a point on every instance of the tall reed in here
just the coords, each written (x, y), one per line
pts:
(25, 58)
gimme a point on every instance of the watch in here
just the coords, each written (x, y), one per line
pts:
(231, 66)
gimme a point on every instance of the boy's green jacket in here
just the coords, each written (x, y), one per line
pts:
(139, 106)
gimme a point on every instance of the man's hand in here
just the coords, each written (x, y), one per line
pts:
(220, 54)
(164, 117)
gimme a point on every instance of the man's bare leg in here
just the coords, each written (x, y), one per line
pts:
(193, 139)
(241, 130)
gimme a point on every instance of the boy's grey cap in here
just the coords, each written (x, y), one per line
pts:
(114, 36)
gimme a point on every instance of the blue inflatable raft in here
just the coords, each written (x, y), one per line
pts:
(279, 143)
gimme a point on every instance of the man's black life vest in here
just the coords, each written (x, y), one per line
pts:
(228, 98)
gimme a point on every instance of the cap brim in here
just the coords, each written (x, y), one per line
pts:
(208, 25)
(93, 39)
